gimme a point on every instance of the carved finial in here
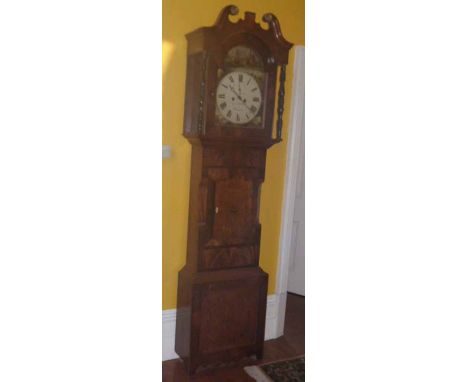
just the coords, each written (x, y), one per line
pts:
(274, 25)
(223, 16)
(233, 10)
(271, 19)
(250, 17)
(267, 17)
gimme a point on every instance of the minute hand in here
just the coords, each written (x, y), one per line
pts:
(237, 95)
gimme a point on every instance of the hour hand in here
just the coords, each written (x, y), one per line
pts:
(236, 94)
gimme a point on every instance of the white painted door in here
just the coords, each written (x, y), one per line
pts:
(296, 276)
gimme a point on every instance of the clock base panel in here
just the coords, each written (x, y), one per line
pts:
(220, 316)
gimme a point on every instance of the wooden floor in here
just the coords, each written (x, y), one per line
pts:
(290, 345)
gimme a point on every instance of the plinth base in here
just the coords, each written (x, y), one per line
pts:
(220, 316)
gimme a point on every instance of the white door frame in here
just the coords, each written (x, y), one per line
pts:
(290, 183)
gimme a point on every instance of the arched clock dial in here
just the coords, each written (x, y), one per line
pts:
(238, 97)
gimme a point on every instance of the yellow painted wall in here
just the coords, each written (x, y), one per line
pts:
(179, 18)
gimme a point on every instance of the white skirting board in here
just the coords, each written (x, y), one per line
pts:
(169, 325)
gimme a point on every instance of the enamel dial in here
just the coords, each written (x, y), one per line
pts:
(238, 97)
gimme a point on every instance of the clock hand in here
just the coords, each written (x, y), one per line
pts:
(237, 95)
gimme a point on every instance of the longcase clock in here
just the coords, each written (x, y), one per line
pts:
(235, 74)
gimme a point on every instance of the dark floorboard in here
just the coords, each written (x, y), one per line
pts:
(288, 346)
